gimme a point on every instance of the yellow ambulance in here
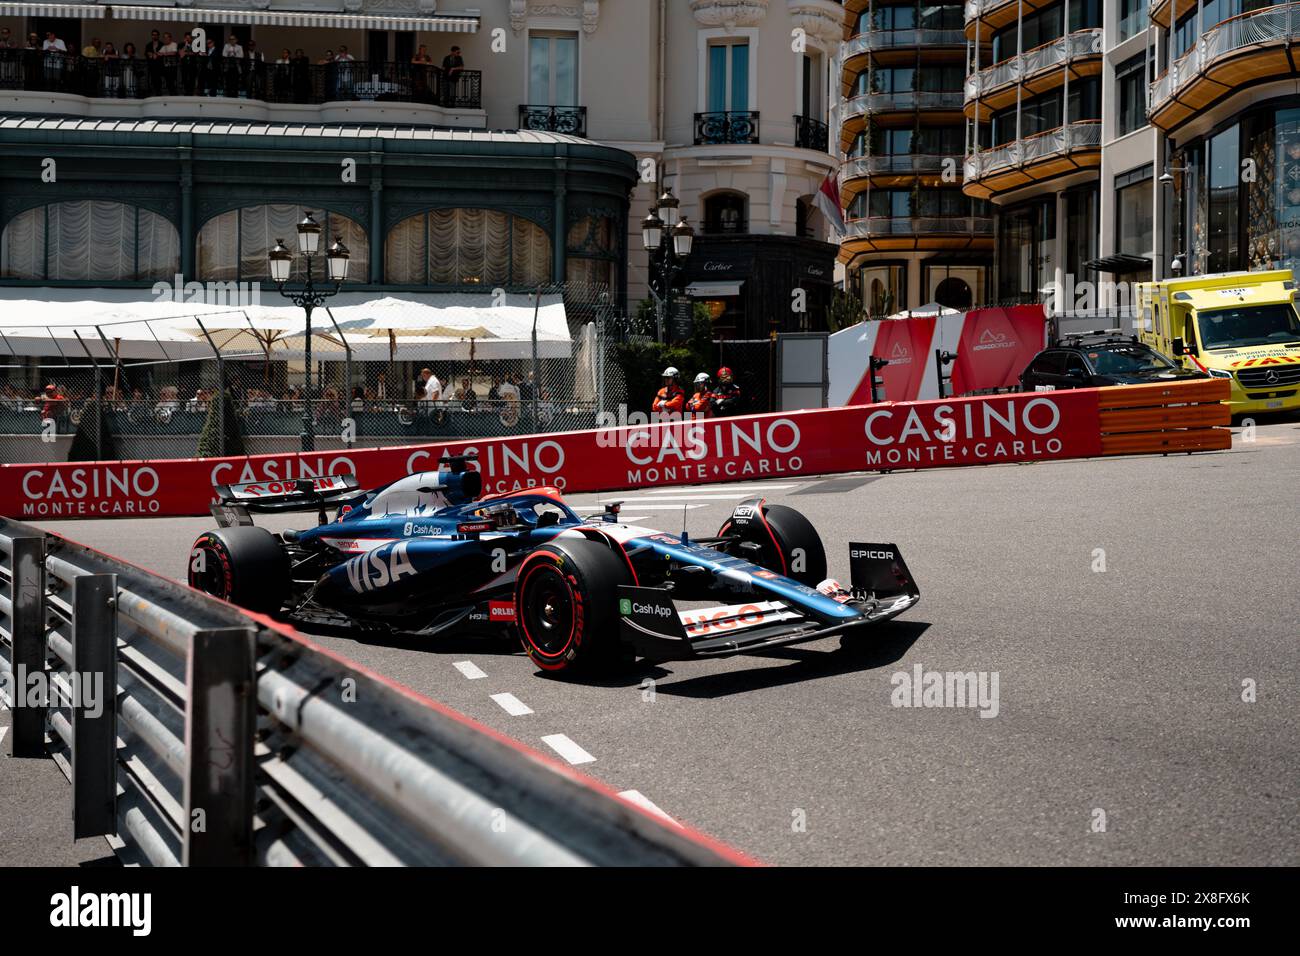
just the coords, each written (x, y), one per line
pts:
(1241, 326)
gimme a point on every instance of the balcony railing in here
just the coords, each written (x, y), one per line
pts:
(875, 226)
(976, 8)
(1082, 134)
(811, 134)
(1271, 26)
(713, 129)
(865, 103)
(900, 39)
(554, 119)
(900, 163)
(1019, 68)
(297, 82)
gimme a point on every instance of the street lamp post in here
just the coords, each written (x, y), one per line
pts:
(666, 258)
(308, 297)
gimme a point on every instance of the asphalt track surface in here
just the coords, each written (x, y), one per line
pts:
(1119, 690)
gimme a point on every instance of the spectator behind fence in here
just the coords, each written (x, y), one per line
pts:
(53, 44)
(233, 55)
(213, 55)
(169, 57)
(431, 388)
(53, 402)
(467, 396)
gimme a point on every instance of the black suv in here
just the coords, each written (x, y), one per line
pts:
(1095, 359)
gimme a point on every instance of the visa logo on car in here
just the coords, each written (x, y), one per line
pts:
(886, 555)
(377, 569)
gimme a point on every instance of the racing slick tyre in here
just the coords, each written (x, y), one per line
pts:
(245, 565)
(788, 544)
(566, 606)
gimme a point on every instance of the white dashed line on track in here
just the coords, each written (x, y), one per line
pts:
(567, 749)
(512, 705)
(469, 669)
(644, 802)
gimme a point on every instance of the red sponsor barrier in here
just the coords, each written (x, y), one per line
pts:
(995, 346)
(964, 431)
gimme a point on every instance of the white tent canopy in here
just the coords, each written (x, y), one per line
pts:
(928, 311)
(405, 326)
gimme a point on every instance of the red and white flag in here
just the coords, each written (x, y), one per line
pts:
(828, 202)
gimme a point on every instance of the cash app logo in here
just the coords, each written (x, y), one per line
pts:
(624, 606)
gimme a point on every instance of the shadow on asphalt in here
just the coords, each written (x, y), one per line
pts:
(887, 645)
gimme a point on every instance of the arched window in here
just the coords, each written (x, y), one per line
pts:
(726, 212)
(89, 240)
(233, 246)
(467, 247)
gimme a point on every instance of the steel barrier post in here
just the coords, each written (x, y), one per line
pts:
(94, 707)
(27, 597)
(220, 724)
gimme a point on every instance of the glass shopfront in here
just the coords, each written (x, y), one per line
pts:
(1237, 194)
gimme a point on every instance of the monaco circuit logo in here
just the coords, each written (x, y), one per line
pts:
(994, 340)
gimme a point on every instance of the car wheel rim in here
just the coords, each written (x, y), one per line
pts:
(549, 605)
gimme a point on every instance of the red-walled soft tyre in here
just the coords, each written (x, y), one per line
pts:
(566, 606)
(246, 566)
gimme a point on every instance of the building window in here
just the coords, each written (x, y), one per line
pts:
(1025, 237)
(467, 247)
(1134, 212)
(728, 89)
(233, 246)
(1080, 229)
(955, 286)
(1222, 224)
(553, 69)
(1132, 18)
(725, 213)
(89, 241)
(1130, 77)
(883, 289)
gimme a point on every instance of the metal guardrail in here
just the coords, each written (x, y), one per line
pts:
(1278, 24)
(1082, 134)
(1017, 69)
(220, 738)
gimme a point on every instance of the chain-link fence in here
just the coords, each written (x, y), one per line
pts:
(387, 371)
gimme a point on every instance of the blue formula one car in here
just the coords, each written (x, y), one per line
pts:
(427, 554)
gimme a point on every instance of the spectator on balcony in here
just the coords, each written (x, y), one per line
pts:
(169, 57)
(153, 62)
(429, 389)
(112, 71)
(212, 57)
(282, 77)
(10, 69)
(53, 44)
(421, 75)
(343, 64)
(93, 49)
(129, 70)
(256, 70)
(453, 65)
(191, 64)
(91, 67)
(301, 77)
(233, 55)
(326, 63)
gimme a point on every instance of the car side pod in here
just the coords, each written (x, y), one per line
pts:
(651, 624)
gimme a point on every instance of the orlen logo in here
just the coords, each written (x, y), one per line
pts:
(501, 610)
(994, 340)
(884, 555)
(379, 568)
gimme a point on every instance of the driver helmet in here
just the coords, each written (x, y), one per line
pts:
(724, 374)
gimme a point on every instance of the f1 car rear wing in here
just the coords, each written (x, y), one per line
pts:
(882, 588)
(237, 500)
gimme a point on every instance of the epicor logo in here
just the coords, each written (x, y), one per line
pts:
(884, 555)
(380, 567)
